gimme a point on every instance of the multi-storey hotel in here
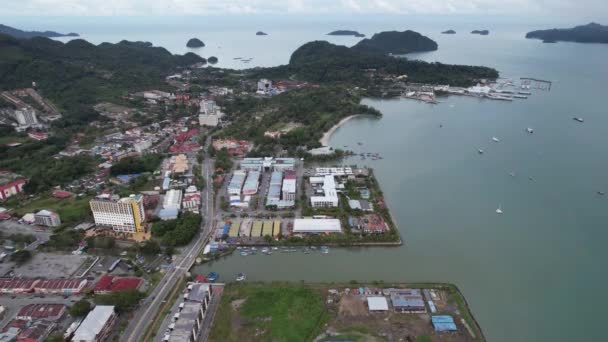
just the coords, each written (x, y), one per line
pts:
(122, 214)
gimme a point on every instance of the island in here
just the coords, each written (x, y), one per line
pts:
(261, 33)
(590, 33)
(397, 43)
(195, 43)
(212, 60)
(17, 33)
(346, 33)
(449, 32)
(481, 32)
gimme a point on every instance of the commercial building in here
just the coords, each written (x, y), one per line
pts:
(192, 201)
(210, 113)
(51, 312)
(307, 225)
(179, 164)
(268, 164)
(47, 218)
(275, 190)
(107, 284)
(18, 285)
(166, 214)
(97, 325)
(236, 183)
(121, 214)
(63, 287)
(329, 198)
(188, 320)
(289, 186)
(251, 183)
(173, 199)
(10, 184)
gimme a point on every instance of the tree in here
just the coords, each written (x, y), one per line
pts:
(81, 308)
(150, 247)
(22, 256)
(122, 300)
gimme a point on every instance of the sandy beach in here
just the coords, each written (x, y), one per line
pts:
(327, 135)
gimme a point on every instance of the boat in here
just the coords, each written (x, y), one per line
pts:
(495, 139)
(212, 276)
(265, 250)
(512, 174)
(275, 248)
(524, 93)
(480, 151)
(241, 277)
(578, 119)
(601, 193)
(499, 210)
(243, 253)
(324, 249)
(520, 96)
(529, 130)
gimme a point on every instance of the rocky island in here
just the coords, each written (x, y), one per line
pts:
(346, 33)
(590, 33)
(398, 43)
(212, 60)
(195, 43)
(481, 32)
(17, 33)
(449, 32)
(261, 33)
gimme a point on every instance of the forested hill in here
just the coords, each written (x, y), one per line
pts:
(17, 33)
(398, 43)
(323, 62)
(590, 33)
(78, 74)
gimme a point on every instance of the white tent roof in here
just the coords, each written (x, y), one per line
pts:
(377, 303)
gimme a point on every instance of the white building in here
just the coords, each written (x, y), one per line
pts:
(236, 183)
(97, 325)
(26, 117)
(210, 113)
(208, 107)
(330, 194)
(289, 189)
(377, 304)
(173, 199)
(47, 218)
(316, 226)
(264, 86)
(122, 215)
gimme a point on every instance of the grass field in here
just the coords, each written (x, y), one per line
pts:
(71, 210)
(269, 312)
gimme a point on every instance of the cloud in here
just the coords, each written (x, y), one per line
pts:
(562, 8)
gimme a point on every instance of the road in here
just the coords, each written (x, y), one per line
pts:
(144, 316)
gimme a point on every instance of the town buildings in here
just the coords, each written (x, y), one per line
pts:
(326, 195)
(188, 321)
(10, 184)
(121, 214)
(97, 325)
(47, 218)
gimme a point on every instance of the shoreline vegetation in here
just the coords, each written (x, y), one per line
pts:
(327, 135)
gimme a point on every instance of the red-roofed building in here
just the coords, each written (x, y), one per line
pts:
(374, 223)
(107, 284)
(61, 286)
(61, 194)
(10, 184)
(17, 285)
(38, 135)
(4, 216)
(50, 312)
(36, 331)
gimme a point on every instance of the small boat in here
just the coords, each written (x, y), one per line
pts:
(512, 174)
(578, 119)
(480, 151)
(529, 130)
(275, 248)
(601, 193)
(495, 139)
(524, 93)
(212, 276)
(241, 277)
(265, 250)
(499, 210)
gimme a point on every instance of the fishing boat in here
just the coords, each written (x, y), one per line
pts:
(324, 249)
(480, 151)
(212, 276)
(512, 174)
(578, 119)
(495, 139)
(524, 93)
(529, 130)
(499, 210)
(601, 193)
(244, 253)
(241, 277)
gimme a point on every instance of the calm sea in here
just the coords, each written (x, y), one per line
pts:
(535, 273)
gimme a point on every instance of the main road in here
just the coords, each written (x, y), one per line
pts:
(143, 317)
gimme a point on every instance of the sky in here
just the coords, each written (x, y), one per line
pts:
(593, 9)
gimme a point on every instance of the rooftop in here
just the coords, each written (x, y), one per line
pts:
(93, 323)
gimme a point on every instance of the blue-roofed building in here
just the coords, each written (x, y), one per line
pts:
(443, 323)
(166, 183)
(168, 214)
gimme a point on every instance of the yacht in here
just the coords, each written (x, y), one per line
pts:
(241, 277)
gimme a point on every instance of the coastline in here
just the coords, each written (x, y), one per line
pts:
(327, 135)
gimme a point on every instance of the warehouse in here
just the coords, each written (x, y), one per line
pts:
(234, 229)
(316, 226)
(251, 183)
(256, 230)
(267, 228)
(443, 323)
(377, 304)
(408, 300)
(276, 229)
(173, 199)
(236, 183)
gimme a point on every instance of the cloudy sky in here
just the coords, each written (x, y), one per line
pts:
(594, 9)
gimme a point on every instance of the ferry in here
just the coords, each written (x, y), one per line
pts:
(578, 119)
(241, 277)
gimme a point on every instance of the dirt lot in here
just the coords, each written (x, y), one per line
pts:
(49, 265)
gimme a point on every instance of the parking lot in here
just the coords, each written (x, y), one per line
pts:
(46, 265)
